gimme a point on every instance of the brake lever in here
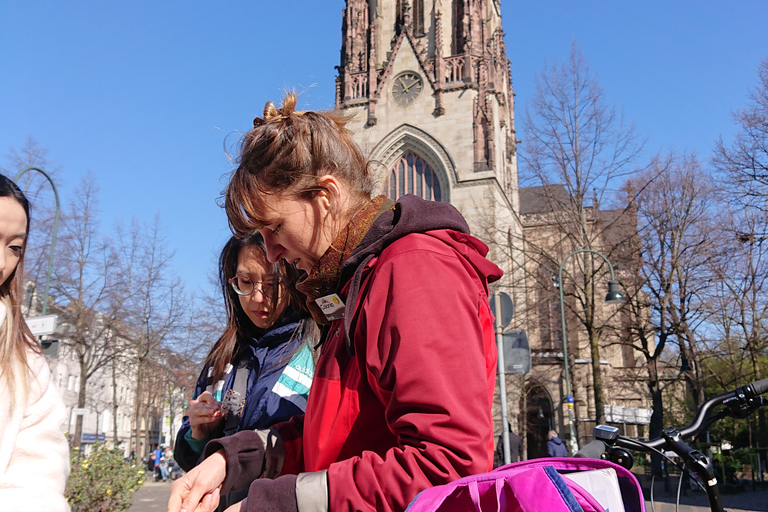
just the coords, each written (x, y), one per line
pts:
(741, 407)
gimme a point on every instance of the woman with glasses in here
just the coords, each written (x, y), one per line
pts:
(260, 370)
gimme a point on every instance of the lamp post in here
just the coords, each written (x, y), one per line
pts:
(53, 236)
(614, 295)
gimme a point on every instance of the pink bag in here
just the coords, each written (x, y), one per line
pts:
(529, 486)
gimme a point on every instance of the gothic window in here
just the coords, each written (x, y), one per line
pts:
(457, 39)
(550, 322)
(399, 14)
(418, 17)
(412, 175)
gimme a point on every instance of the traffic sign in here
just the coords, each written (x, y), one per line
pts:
(517, 353)
(507, 309)
(42, 325)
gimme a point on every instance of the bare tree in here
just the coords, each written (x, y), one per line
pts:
(674, 210)
(151, 315)
(741, 272)
(89, 298)
(745, 162)
(576, 151)
(741, 305)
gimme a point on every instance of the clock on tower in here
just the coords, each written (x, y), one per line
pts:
(406, 87)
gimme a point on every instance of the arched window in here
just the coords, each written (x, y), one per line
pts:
(412, 175)
(418, 17)
(399, 13)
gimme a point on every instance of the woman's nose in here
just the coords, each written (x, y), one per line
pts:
(258, 292)
(273, 248)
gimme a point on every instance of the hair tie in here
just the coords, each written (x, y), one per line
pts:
(257, 121)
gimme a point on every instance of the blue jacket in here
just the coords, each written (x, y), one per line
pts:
(556, 448)
(278, 384)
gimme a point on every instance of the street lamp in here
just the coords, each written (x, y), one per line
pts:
(53, 236)
(614, 295)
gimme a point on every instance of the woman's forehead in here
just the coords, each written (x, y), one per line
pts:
(250, 257)
(273, 208)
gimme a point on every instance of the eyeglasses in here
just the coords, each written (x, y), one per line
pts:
(245, 286)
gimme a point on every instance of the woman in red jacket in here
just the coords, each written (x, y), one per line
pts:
(403, 387)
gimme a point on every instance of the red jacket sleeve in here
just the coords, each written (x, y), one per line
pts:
(425, 331)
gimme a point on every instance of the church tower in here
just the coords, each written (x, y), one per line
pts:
(429, 84)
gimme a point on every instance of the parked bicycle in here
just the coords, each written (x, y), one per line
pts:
(739, 403)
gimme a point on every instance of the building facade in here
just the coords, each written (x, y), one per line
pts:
(428, 85)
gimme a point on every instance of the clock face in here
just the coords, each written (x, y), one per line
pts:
(407, 87)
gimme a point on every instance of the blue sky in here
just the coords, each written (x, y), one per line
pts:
(147, 94)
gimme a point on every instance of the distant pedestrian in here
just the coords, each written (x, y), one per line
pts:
(515, 448)
(160, 465)
(555, 446)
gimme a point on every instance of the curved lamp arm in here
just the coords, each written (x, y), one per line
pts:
(53, 236)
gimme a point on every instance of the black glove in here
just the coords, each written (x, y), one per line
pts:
(278, 495)
(244, 452)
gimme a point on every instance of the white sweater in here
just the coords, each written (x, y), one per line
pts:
(34, 455)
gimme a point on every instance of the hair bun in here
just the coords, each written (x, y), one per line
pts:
(271, 113)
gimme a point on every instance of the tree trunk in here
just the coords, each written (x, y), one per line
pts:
(114, 405)
(597, 380)
(80, 405)
(136, 409)
(657, 414)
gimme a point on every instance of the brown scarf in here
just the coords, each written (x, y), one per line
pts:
(324, 277)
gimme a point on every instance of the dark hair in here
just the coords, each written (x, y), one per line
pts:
(239, 326)
(288, 151)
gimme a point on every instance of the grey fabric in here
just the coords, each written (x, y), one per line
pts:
(274, 452)
(312, 492)
(234, 400)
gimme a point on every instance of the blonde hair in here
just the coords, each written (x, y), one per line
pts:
(287, 151)
(16, 340)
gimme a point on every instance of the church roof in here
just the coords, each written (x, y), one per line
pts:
(542, 199)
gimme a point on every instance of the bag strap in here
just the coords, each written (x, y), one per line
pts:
(474, 493)
(234, 400)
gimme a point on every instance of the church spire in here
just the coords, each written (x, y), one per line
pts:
(447, 56)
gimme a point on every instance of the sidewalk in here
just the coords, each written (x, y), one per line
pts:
(151, 497)
(696, 501)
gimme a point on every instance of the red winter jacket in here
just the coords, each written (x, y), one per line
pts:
(412, 407)
(402, 394)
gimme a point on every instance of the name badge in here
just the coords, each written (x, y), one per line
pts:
(332, 306)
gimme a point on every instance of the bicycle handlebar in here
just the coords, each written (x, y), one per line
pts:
(739, 401)
(758, 388)
(746, 392)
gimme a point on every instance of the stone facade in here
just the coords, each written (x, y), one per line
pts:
(428, 86)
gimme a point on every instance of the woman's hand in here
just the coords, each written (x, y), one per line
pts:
(204, 416)
(198, 490)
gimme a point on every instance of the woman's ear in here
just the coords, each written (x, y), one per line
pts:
(331, 194)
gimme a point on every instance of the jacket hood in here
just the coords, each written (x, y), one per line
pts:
(412, 214)
(556, 440)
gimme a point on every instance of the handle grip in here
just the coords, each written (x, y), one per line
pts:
(756, 388)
